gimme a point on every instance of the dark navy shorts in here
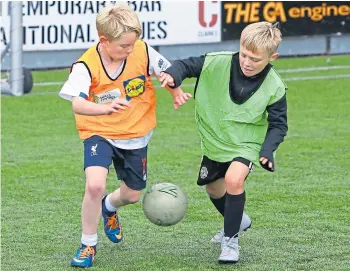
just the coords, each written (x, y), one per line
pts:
(130, 165)
(210, 171)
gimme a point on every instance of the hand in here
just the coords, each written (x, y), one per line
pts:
(166, 79)
(116, 105)
(268, 165)
(179, 97)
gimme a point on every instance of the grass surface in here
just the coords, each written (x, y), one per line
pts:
(300, 213)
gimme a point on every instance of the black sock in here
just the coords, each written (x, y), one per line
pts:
(219, 204)
(234, 207)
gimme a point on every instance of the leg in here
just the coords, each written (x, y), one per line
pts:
(97, 158)
(235, 199)
(217, 194)
(212, 175)
(94, 189)
(124, 196)
(110, 205)
(234, 206)
(133, 172)
(131, 166)
(90, 215)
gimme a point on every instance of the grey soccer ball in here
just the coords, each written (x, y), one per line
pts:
(164, 204)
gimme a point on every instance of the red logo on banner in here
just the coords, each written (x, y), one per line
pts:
(201, 18)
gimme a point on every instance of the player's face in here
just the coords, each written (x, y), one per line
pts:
(120, 49)
(253, 63)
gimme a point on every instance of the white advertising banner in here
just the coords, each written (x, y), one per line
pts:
(66, 25)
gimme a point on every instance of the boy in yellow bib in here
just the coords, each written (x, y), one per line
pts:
(114, 103)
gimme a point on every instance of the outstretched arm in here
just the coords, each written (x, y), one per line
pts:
(158, 64)
(181, 69)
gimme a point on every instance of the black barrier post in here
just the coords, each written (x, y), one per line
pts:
(328, 48)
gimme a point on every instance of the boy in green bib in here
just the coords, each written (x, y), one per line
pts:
(241, 114)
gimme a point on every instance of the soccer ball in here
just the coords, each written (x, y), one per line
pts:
(164, 204)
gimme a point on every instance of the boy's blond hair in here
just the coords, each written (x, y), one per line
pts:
(114, 21)
(262, 36)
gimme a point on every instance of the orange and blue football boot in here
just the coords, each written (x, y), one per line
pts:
(84, 257)
(113, 229)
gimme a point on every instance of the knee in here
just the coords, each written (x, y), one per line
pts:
(234, 183)
(95, 189)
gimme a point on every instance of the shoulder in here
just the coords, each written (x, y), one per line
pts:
(275, 77)
(218, 59)
(90, 53)
(219, 56)
(140, 51)
(90, 59)
(140, 44)
(80, 68)
(223, 53)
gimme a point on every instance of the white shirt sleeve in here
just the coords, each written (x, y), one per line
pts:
(78, 83)
(157, 62)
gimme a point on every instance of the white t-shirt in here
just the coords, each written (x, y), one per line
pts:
(79, 82)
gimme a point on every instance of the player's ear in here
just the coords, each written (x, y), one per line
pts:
(103, 39)
(274, 56)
